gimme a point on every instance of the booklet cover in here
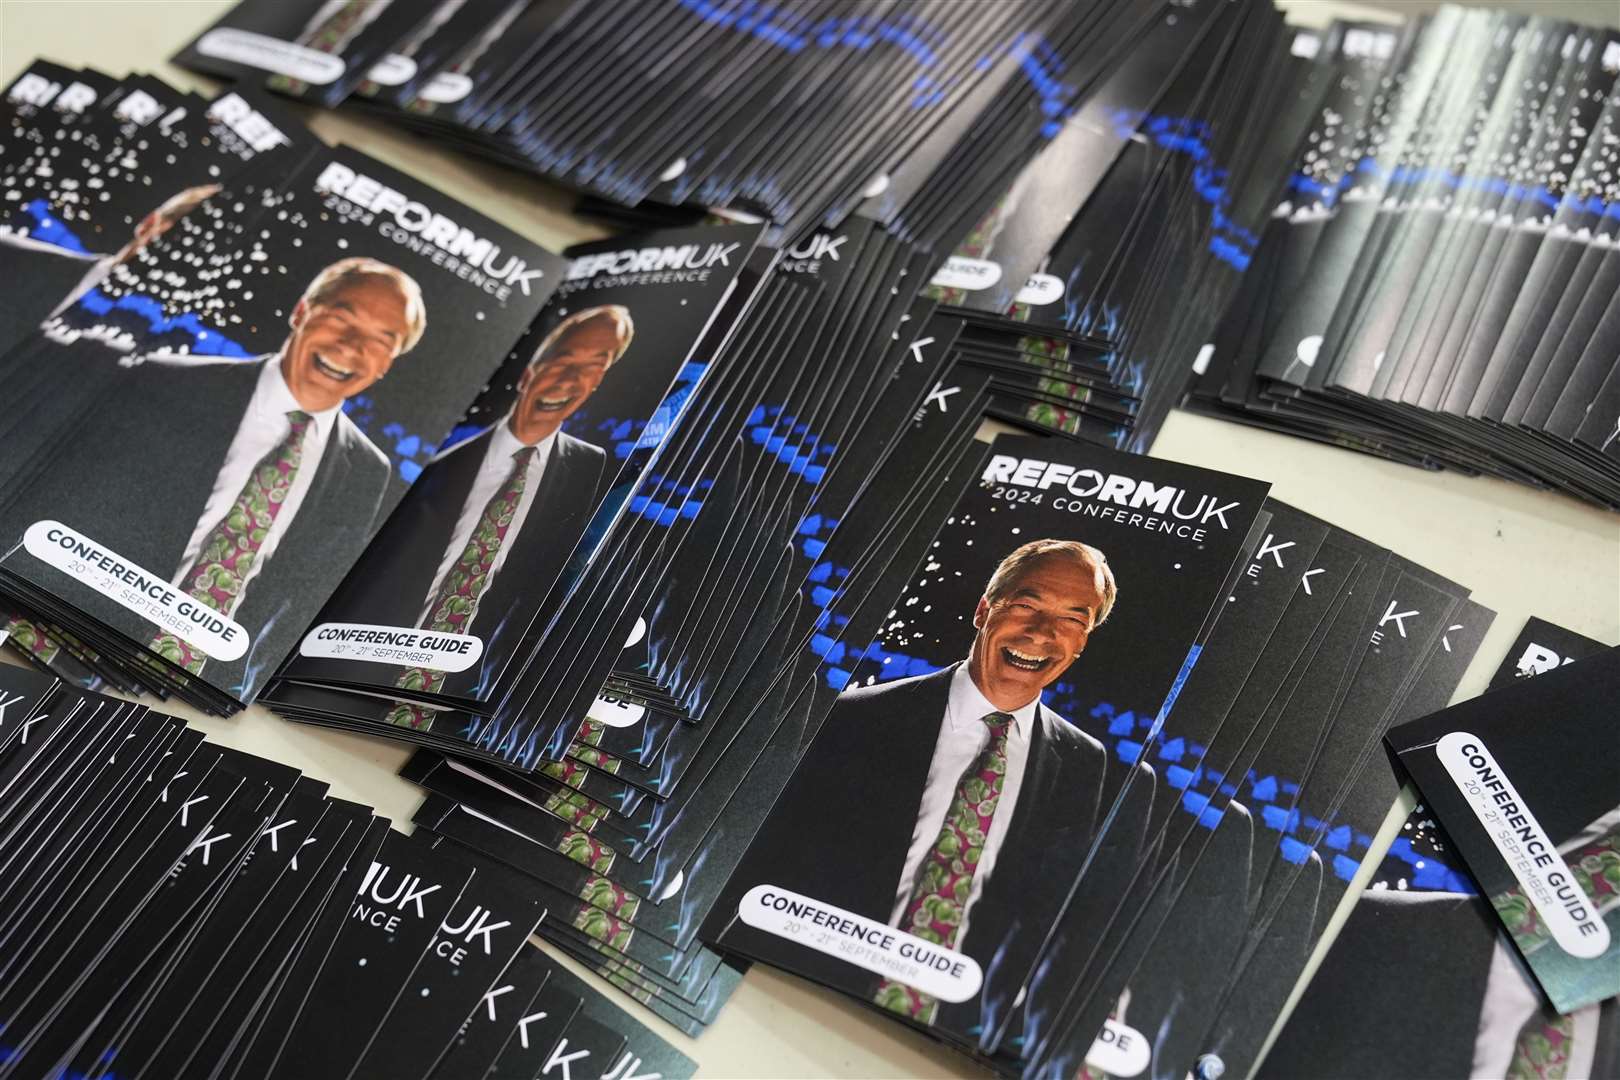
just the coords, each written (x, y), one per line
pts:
(273, 399)
(461, 570)
(935, 827)
(1534, 810)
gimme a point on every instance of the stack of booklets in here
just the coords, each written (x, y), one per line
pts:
(1487, 989)
(731, 773)
(613, 624)
(1100, 271)
(1438, 284)
(609, 531)
(193, 261)
(1099, 784)
(174, 908)
(681, 557)
(1091, 179)
(795, 113)
(230, 350)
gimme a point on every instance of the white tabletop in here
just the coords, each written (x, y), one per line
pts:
(1523, 552)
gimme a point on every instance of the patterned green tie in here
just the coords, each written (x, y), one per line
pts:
(568, 771)
(1542, 1049)
(1595, 867)
(46, 645)
(329, 37)
(574, 808)
(607, 912)
(230, 548)
(456, 602)
(587, 851)
(24, 635)
(945, 877)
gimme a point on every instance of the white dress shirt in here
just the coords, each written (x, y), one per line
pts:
(492, 475)
(263, 427)
(1511, 999)
(962, 736)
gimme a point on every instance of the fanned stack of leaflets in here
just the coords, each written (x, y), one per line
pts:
(231, 351)
(1090, 178)
(624, 582)
(1438, 284)
(1119, 860)
(1425, 915)
(174, 908)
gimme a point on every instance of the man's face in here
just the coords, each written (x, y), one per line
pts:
(346, 342)
(1033, 633)
(561, 378)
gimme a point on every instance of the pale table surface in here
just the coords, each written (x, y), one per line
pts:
(1523, 552)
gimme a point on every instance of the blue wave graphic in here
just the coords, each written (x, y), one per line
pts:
(1231, 243)
(50, 229)
(200, 340)
(1041, 65)
(1128, 734)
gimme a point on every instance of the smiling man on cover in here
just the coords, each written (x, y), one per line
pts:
(243, 479)
(955, 806)
(491, 521)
